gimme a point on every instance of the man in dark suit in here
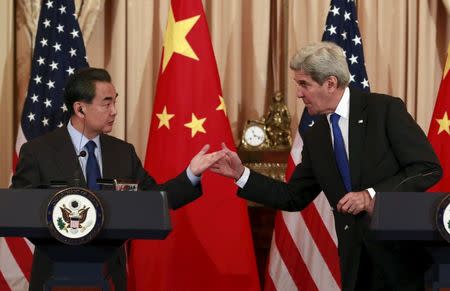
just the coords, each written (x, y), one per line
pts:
(63, 155)
(361, 144)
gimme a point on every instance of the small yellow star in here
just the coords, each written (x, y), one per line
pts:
(175, 38)
(196, 125)
(222, 105)
(164, 118)
(444, 124)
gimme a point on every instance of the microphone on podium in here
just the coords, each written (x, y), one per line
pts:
(416, 176)
(81, 154)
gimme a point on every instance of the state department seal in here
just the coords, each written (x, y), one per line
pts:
(443, 218)
(74, 216)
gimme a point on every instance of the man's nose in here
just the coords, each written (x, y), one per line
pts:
(300, 93)
(113, 109)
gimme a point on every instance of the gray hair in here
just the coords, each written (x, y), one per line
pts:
(321, 60)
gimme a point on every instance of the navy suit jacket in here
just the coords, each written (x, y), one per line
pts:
(52, 157)
(386, 148)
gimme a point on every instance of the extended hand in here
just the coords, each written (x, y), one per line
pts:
(355, 202)
(202, 161)
(229, 165)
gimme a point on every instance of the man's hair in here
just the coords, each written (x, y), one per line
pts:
(81, 86)
(321, 60)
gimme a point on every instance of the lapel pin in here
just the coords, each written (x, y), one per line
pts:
(360, 121)
(311, 124)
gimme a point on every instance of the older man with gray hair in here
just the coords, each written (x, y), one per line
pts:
(361, 144)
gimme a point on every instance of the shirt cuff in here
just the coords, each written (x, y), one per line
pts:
(244, 178)
(371, 192)
(195, 180)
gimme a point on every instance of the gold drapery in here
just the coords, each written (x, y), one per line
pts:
(404, 44)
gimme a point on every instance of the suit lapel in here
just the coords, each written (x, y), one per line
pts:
(322, 138)
(66, 158)
(356, 133)
(108, 158)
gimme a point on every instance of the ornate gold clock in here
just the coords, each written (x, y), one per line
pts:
(254, 135)
(265, 143)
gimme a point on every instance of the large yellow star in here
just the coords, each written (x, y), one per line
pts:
(444, 124)
(222, 105)
(196, 125)
(164, 118)
(175, 38)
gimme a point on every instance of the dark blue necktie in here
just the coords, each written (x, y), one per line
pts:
(92, 168)
(339, 152)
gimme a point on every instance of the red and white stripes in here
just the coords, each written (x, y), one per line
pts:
(16, 253)
(303, 253)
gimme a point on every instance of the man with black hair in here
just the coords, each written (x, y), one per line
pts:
(91, 100)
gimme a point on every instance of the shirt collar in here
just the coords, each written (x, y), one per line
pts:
(343, 107)
(79, 140)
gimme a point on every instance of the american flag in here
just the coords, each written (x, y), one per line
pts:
(303, 255)
(58, 52)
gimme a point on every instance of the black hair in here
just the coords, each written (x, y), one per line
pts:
(81, 86)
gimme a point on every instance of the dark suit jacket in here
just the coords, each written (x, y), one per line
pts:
(52, 157)
(386, 146)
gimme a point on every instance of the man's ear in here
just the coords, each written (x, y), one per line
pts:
(332, 82)
(78, 109)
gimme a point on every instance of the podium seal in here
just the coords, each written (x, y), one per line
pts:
(443, 218)
(74, 216)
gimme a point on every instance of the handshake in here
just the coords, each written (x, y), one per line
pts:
(223, 162)
(227, 163)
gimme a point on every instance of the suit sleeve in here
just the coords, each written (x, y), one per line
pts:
(180, 190)
(27, 171)
(419, 165)
(295, 195)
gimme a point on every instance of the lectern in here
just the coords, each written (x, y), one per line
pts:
(127, 215)
(410, 216)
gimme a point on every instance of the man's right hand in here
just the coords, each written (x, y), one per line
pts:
(356, 202)
(229, 165)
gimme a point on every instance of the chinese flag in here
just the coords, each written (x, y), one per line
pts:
(439, 134)
(210, 247)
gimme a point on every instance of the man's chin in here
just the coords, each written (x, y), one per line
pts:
(107, 129)
(311, 112)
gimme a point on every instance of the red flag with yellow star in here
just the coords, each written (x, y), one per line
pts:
(439, 133)
(210, 247)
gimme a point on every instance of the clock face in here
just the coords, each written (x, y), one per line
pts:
(254, 135)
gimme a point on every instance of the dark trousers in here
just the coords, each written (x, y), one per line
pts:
(393, 266)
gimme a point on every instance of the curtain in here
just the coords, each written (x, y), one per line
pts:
(6, 89)
(404, 44)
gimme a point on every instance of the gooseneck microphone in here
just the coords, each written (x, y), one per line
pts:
(415, 176)
(81, 154)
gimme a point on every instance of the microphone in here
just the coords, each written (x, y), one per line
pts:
(81, 154)
(416, 176)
